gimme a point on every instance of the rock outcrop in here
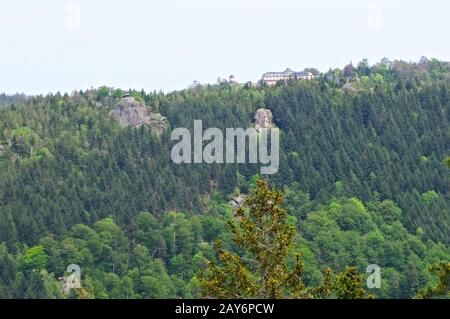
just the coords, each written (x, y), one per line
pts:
(237, 201)
(130, 112)
(2, 150)
(263, 119)
(349, 87)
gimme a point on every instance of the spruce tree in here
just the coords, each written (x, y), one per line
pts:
(260, 228)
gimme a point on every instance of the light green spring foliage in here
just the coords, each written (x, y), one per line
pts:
(35, 258)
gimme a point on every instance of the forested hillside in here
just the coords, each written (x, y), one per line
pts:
(362, 163)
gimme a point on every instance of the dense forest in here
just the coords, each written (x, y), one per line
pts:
(362, 165)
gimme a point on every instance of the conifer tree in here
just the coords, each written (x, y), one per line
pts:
(262, 230)
(350, 285)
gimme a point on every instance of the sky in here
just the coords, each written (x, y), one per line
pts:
(65, 45)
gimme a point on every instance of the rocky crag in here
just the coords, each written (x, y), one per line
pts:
(130, 112)
(263, 119)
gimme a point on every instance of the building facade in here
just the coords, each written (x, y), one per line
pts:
(271, 78)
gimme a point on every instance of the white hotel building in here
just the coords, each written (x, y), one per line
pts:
(271, 78)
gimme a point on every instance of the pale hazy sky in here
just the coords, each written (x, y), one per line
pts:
(60, 45)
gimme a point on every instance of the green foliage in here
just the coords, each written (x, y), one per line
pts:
(338, 238)
(350, 285)
(137, 96)
(429, 197)
(103, 92)
(35, 259)
(442, 288)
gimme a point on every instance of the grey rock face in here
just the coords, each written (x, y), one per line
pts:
(2, 150)
(263, 119)
(129, 112)
(350, 88)
(237, 201)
